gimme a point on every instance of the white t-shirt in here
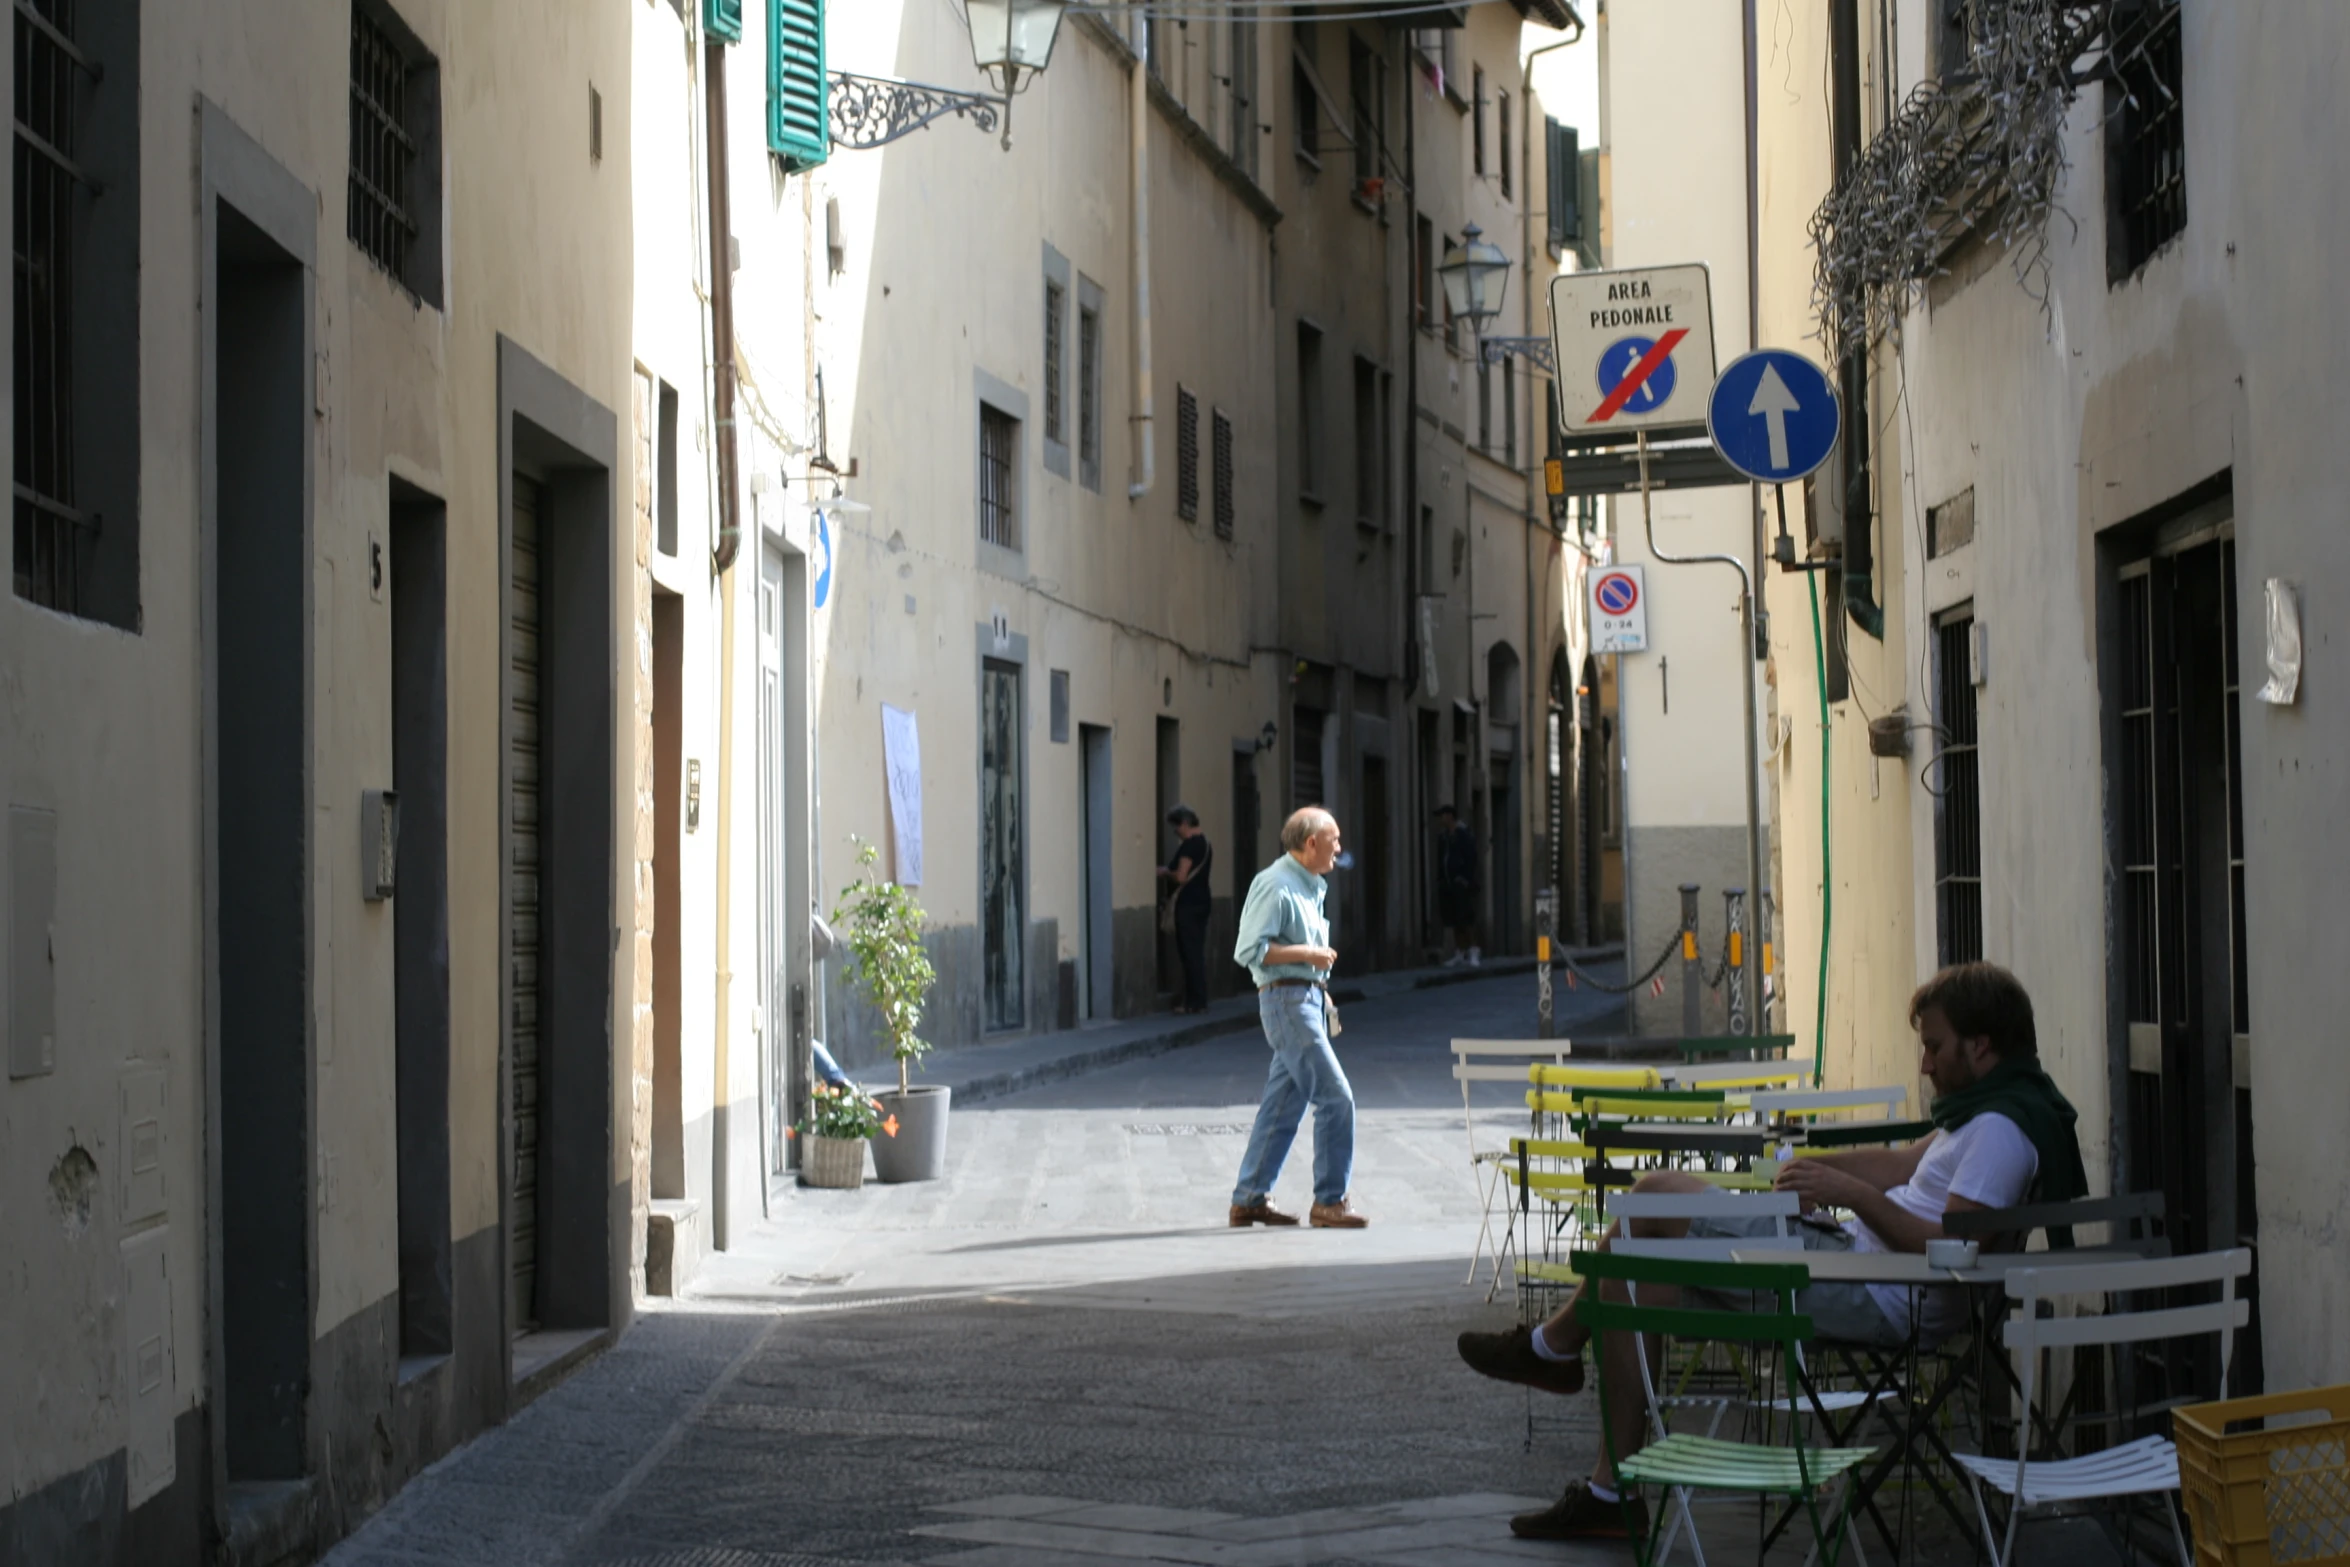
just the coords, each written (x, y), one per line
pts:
(1989, 1161)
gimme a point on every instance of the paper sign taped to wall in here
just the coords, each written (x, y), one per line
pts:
(901, 748)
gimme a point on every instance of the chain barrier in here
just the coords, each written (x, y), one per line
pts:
(1574, 972)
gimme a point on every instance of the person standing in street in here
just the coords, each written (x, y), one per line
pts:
(1456, 886)
(1188, 870)
(1285, 945)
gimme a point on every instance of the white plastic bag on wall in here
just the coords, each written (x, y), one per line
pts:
(2284, 644)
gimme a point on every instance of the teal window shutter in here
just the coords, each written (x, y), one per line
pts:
(723, 19)
(799, 128)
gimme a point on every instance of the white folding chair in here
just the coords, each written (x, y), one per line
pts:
(1494, 1061)
(1813, 1104)
(2148, 1466)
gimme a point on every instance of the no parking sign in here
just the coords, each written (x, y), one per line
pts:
(1619, 611)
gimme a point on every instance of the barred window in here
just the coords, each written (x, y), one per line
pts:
(1186, 455)
(1958, 813)
(1089, 392)
(999, 447)
(1224, 503)
(1309, 411)
(75, 527)
(2146, 149)
(394, 184)
(1055, 309)
(1370, 447)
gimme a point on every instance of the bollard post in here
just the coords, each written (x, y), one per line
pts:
(1692, 967)
(1546, 910)
(1734, 965)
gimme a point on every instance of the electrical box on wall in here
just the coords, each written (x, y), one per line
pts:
(379, 844)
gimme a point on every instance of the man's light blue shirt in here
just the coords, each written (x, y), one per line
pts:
(1284, 909)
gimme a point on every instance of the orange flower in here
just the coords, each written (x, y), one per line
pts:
(890, 1126)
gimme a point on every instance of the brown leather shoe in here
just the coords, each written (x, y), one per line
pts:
(1339, 1215)
(1510, 1357)
(1259, 1212)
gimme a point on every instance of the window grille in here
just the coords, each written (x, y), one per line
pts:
(51, 532)
(2149, 156)
(1224, 501)
(1501, 126)
(999, 442)
(1243, 101)
(1424, 273)
(1089, 397)
(1364, 73)
(383, 149)
(1186, 455)
(1309, 410)
(1484, 407)
(1055, 308)
(1308, 109)
(1509, 414)
(1370, 447)
(1958, 816)
(1477, 118)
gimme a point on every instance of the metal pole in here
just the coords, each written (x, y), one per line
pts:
(1746, 654)
(1546, 908)
(1734, 939)
(1692, 967)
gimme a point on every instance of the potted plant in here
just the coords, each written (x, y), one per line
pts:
(839, 1123)
(881, 923)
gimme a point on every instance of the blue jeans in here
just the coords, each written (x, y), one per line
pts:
(1304, 1071)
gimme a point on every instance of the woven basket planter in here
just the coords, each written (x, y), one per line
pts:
(833, 1161)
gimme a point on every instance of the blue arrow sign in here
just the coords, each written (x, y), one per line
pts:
(1773, 415)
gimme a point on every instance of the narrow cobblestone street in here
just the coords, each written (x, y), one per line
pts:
(1058, 1354)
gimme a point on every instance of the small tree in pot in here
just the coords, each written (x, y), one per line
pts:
(882, 926)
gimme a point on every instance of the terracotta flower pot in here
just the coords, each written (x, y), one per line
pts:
(837, 1162)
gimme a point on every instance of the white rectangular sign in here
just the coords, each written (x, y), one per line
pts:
(901, 747)
(1635, 348)
(1618, 599)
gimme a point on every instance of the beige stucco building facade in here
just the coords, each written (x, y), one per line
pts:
(2081, 483)
(262, 1076)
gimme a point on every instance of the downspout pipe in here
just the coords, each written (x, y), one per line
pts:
(1138, 105)
(722, 559)
(1860, 592)
(1413, 543)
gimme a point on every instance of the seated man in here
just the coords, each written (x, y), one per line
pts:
(2003, 1133)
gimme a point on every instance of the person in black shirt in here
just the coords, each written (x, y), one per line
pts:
(1456, 885)
(1188, 870)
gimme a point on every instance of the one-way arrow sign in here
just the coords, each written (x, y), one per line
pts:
(1773, 415)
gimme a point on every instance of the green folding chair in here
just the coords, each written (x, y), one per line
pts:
(1681, 1462)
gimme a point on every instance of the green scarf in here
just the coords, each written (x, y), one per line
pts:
(2023, 1092)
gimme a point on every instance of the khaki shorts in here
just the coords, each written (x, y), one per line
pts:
(1841, 1311)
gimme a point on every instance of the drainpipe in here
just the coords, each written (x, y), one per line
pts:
(1138, 105)
(1860, 595)
(1412, 541)
(722, 559)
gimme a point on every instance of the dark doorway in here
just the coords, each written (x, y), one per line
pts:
(419, 593)
(2185, 1045)
(1505, 925)
(524, 806)
(262, 885)
(1247, 823)
(669, 1157)
(1170, 794)
(1094, 790)
(1374, 837)
(1003, 863)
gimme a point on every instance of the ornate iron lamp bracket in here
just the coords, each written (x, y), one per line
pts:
(1537, 349)
(873, 111)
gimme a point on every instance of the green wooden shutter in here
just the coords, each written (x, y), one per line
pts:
(723, 19)
(798, 107)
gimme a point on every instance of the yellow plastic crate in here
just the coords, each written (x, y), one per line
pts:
(2268, 1498)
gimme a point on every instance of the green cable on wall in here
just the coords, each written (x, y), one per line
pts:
(1819, 654)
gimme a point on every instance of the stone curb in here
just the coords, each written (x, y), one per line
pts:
(1079, 1061)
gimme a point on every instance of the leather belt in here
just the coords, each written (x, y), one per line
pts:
(1275, 984)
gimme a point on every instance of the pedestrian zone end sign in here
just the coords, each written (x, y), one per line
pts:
(1635, 347)
(1619, 611)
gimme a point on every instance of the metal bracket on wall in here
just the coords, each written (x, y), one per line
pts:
(873, 111)
(1537, 349)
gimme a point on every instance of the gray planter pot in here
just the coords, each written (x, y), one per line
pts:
(919, 1151)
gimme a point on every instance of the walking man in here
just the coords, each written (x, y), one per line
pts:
(1456, 886)
(1188, 870)
(1285, 944)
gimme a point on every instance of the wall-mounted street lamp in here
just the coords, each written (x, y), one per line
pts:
(1269, 736)
(1012, 40)
(1476, 274)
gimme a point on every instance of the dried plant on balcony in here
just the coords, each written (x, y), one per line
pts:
(1977, 155)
